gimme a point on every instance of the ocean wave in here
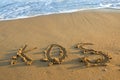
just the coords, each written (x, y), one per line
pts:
(15, 9)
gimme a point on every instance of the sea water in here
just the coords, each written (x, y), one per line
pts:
(15, 9)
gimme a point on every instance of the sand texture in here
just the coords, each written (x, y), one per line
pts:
(99, 28)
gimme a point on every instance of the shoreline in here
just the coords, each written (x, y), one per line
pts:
(109, 10)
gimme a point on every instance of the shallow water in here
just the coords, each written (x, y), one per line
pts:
(14, 9)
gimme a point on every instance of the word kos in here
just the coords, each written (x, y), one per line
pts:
(53, 49)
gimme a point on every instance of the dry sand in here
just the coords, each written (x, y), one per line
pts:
(100, 28)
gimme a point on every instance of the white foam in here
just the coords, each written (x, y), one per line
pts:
(105, 5)
(24, 10)
(69, 11)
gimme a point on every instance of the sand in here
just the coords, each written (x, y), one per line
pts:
(98, 27)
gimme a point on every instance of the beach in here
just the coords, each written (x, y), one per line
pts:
(102, 28)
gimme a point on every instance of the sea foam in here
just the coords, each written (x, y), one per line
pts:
(16, 9)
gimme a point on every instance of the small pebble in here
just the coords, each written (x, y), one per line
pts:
(104, 70)
(44, 60)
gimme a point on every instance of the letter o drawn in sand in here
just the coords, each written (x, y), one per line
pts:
(55, 54)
